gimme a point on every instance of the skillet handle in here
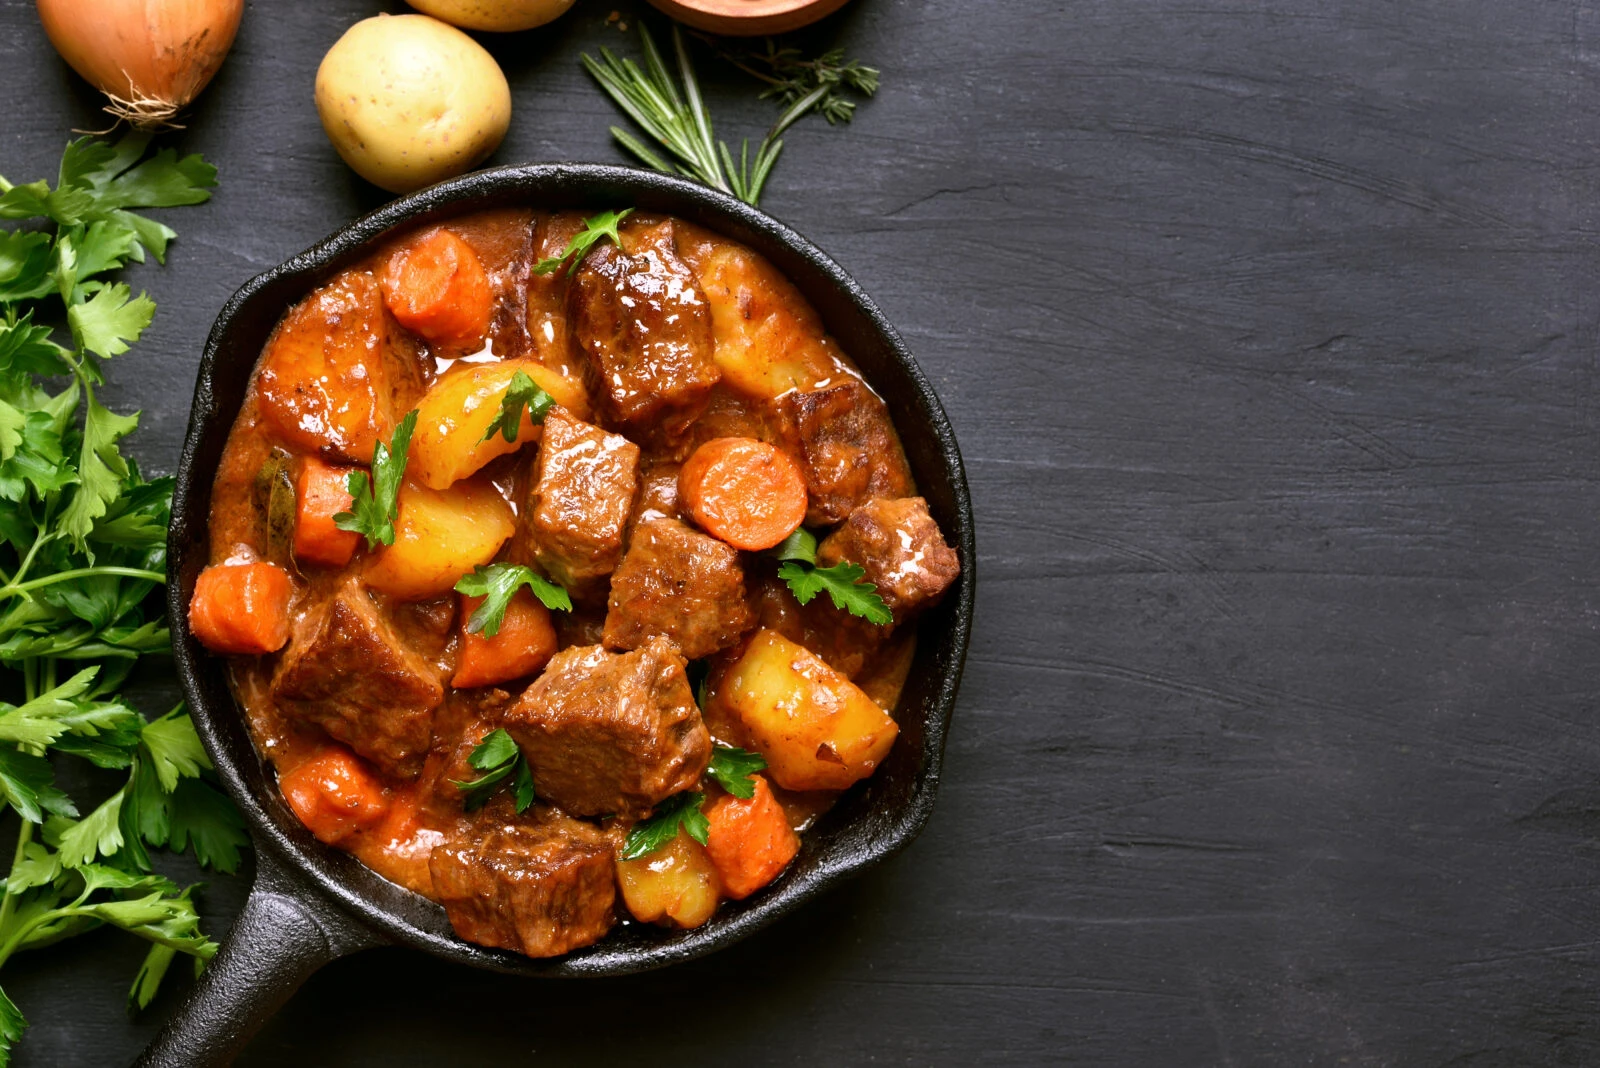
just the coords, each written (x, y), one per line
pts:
(285, 933)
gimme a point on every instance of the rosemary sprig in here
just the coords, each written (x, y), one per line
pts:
(676, 116)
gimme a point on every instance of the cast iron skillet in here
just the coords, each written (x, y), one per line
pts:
(312, 903)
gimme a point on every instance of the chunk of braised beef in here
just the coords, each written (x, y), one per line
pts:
(901, 549)
(847, 449)
(541, 883)
(639, 319)
(575, 515)
(608, 732)
(347, 671)
(680, 584)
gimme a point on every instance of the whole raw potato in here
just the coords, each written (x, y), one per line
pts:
(409, 101)
(498, 16)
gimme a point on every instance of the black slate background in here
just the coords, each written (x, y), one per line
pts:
(1269, 333)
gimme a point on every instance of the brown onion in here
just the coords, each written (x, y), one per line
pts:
(151, 57)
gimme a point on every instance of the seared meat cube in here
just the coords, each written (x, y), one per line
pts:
(900, 547)
(641, 321)
(573, 521)
(611, 732)
(658, 493)
(847, 449)
(346, 671)
(681, 584)
(540, 886)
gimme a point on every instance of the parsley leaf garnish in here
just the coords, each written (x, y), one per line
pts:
(600, 226)
(732, 768)
(497, 756)
(651, 834)
(842, 582)
(375, 502)
(497, 584)
(523, 391)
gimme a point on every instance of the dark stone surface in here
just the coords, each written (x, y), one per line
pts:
(1269, 334)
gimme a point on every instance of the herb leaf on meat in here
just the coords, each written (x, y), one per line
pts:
(842, 582)
(594, 229)
(497, 756)
(651, 834)
(375, 501)
(523, 392)
(497, 584)
(733, 767)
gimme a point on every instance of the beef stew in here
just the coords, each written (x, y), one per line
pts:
(387, 682)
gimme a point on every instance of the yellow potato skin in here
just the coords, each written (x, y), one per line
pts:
(816, 728)
(676, 886)
(766, 339)
(452, 417)
(408, 100)
(496, 16)
(440, 535)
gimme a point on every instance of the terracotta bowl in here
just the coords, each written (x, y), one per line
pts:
(748, 18)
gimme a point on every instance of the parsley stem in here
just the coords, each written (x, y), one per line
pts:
(83, 572)
(8, 904)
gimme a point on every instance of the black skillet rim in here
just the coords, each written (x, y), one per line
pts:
(413, 920)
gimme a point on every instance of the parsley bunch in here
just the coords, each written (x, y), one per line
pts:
(82, 558)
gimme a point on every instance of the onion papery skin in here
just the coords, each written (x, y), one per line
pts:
(150, 57)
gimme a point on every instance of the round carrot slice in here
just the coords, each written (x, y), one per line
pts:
(744, 491)
(437, 287)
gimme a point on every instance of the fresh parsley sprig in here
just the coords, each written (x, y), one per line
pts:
(842, 582)
(733, 769)
(674, 113)
(82, 557)
(651, 834)
(523, 392)
(594, 230)
(498, 757)
(497, 584)
(375, 501)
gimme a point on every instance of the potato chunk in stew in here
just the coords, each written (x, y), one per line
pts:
(676, 886)
(440, 535)
(454, 415)
(611, 732)
(347, 672)
(817, 730)
(542, 886)
(768, 341)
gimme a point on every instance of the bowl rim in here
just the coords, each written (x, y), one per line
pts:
(335, 874)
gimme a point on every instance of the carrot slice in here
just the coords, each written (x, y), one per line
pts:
(525, 643)
(746, 492)
(241, 608)
(335, 794)
(322, 492)
(437, 287)
(750, 840)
